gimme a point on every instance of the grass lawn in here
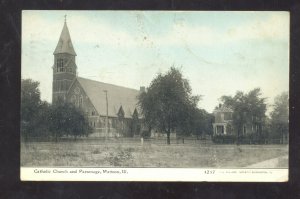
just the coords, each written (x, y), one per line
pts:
(100, 154)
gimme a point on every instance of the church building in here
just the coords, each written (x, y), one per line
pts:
(111, 110)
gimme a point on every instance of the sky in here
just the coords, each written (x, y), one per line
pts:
(219, 52)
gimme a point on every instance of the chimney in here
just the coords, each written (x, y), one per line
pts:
(142, 89)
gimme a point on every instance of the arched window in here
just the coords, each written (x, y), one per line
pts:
(74, 100)
(80, 100)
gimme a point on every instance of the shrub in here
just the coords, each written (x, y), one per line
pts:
(145, 134)
(123, 157)
(224, 139)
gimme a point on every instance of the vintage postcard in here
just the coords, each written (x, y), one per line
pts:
(155, 96)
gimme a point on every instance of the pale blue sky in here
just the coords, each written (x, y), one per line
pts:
(219, 52)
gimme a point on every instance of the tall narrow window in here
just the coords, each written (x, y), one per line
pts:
(59, 85)
(80, 101)
(59, 65)
(77, 101)
(73, 99)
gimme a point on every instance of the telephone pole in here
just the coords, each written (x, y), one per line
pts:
(106, 120)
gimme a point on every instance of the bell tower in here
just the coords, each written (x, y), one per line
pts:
(64, 68)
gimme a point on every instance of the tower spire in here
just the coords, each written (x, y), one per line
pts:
(64, 68)
(64, 44)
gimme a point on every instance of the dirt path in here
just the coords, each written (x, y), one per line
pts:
(278, 162)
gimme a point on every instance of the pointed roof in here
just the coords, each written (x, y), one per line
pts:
(223, 109)
(64, 44)
(118, 97)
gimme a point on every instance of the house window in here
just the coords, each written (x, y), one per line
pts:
(220, 130)
(222, 116)
(227, 116)
(59, 65)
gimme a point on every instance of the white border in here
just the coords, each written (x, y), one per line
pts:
(153, 174)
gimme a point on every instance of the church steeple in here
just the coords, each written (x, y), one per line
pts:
(64, 44)
(64, 68)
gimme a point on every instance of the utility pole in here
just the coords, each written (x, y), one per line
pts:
(106, 120)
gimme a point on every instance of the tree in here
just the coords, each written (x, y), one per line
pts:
(167, 102)
(39, 118)
(32, 108)
(66, 119)
(247, 107)
(203, 123)
(30, 98)
(40, 125)
(198, 122)
(280, 116)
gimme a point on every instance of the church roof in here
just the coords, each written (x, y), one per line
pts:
(117, 96)
(64, 44)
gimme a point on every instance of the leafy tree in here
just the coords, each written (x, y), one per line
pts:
(280, 116)
(32, 109)
(40, 125)
(30, 98)
(246, 107)
(198, 122)
(39, 118)
(167, 102)
(66, 119)
(203, 123)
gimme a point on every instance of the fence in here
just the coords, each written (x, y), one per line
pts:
(156, 141)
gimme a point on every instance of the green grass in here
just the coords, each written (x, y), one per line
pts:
(99, 154)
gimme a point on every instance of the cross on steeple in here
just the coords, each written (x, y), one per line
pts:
(64, 44)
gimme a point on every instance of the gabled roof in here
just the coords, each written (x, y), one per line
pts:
(223, 109)
(117, 96)
(64, 44)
